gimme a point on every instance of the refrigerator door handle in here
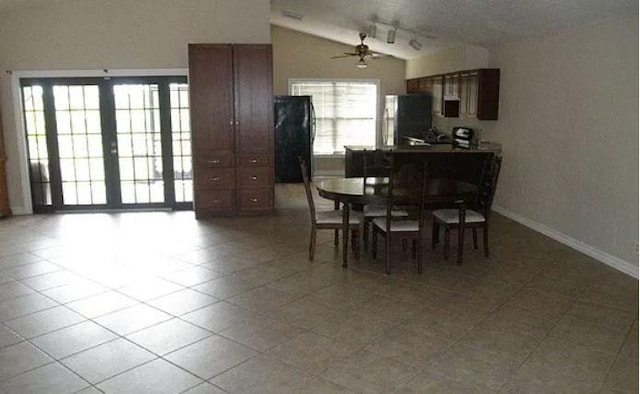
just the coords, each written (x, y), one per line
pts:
(313, 125)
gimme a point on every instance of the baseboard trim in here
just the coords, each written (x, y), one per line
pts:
(612, 261)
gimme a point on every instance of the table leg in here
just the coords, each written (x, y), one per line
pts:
(345, 234)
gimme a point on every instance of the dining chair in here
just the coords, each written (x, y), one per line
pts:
(461, 218)
(402, 192)
(376, 163)
(327, 220)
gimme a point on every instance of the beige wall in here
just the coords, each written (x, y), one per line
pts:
(299, 55)
(118, 34)
(569, 128)
(463, 57)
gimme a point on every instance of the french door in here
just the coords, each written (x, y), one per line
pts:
(112, 143)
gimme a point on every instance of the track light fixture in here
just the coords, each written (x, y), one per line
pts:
(391, 36)
(415, 44)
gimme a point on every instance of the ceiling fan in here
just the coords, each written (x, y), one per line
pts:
(362, 51)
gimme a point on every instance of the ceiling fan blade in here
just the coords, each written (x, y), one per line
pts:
(375, 55)
(345, 55)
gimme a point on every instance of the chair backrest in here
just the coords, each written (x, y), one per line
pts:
(488, 190)
(375, 163)
(407, 188)
(307, 188)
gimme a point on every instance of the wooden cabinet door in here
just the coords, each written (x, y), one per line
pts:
(413, 86)
(472, 92)
(211, 92)
(437, 96)
(253, 98)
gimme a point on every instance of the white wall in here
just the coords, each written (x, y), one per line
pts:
(114, 34)
(463, 57)
(569, 127)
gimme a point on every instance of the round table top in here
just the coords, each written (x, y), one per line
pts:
(352, 190)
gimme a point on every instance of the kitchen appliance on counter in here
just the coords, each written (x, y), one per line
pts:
(294, 120)
(406, 116)
(462, 137)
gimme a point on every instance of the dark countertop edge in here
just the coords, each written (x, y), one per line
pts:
(408, 148)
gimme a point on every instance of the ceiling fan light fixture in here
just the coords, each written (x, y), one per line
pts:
(415, 44)
(362, 64)
(391, 36)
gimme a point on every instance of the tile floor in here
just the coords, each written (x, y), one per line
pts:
(159, 302)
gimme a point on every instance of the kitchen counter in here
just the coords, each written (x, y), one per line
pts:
(440, 155)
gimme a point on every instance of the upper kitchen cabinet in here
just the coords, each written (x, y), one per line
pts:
(465, 94)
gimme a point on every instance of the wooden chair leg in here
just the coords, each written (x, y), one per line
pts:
(414, 248)
(404, 245)
(419, 257)
(374, 244)
(387, 254)
(475, 238)
(447, 235)
(365, 234)
(355, 245)
(460, 243)
(336, 237)
(485, 238)
(435, 234)
(312, 244)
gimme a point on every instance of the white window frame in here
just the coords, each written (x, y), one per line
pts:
(291, 81)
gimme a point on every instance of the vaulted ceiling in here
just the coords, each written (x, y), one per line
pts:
(443, 23)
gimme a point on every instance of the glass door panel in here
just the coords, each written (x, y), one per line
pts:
(79, 132)
(139, 146)
(181, 140)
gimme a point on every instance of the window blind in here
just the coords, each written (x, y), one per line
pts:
(345, 112)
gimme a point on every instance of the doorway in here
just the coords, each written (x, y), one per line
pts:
(108, 143)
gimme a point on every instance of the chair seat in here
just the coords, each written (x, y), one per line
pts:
(335, 217)
(451, 216)
(397, 225)
(375, 211)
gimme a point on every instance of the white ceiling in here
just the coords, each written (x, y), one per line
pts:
(485, 23)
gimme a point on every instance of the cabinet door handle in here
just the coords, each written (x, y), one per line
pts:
(253, 161)
(214, 178)
(213, 161)
(216, 201)
(253, 177)
(231, 122)
(255, 200)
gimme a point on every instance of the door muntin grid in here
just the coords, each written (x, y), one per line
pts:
(79, 135)
(139, 143)
(35, 126)
(181, 142)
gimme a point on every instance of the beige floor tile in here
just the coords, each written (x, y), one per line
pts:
(441, 323)
(534, 382)
(430, 383)
(299, 284)
(75, 291)
(624, 372)
(51, 280)
(262, 299)
(589, 333)
(211, 356)
(218, 317)
(74, 339)
(544, 303)
(340, 297)
(366, 372)
(312, 352)
(182, 302)
(52, 378)
(514, 318)
(262, 274)
(32, 269)
(8, 337)
(261, 333)
(224, 287)
(603, 315)
(266, 375)
(473, 366)
(205, 388)
(409, 346)
(101, 304)
(582, 363)
(157, 376)
(168, 336)
(354, 327)
(510, 342)
(13, 289)
(192, 276)
(107, 360)
(150, 288)
(24, 305)
(132, 319)
(19, 358)
(304, 313)
(45, 321)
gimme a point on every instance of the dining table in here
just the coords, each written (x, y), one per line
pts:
(350, 191)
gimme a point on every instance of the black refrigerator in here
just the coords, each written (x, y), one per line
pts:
(406, 115)
(294, 131)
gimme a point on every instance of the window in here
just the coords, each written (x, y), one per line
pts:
(345, 112)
